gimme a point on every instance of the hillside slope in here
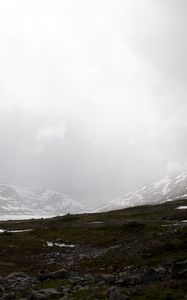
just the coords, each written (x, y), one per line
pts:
(167, 188)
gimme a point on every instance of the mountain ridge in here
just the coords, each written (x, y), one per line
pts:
(16, 200)
(170, 187)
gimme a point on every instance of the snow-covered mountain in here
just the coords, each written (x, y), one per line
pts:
(168, 188)
(15, 200)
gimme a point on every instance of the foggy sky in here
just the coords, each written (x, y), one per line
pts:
(92, 94)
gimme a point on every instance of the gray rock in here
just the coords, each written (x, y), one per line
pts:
(42, 275)
(179, 270)
(126, 279)
(20, 280)
(9, 296)
(168, 262)
(151, 275)
(17, 276)
(108, 278)
(114, 294)
(60, 274)
(64, 291)
(180, 275)
(2, 289)
(44, 294)
(89, 278)
(98, 279)
(181, 265)
(101, 283)
(35, 295)
(81, 288)
(105, 278)
(161, 271)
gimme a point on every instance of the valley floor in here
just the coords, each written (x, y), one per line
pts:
(136, 253)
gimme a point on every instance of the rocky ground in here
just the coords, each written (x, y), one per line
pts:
(136, 253)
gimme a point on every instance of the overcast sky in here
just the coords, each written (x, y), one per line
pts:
(92, 94)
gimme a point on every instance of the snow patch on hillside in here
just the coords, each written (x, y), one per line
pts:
(166, 189)
(17, 202)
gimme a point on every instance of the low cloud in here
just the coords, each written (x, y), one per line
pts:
(115, 71)
(5, 106)
(174, 167)
(50, 135)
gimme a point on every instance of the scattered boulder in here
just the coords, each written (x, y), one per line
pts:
(19, 280)
(180, 275)
(60, 274)
(1, 280)
(179, 270)
(108, 278)
(168, 262)
(2, 289)
(105, 278)
(64, 291)
(126, 279)
(9, 296)
(89, 278)
(161, 271)
(43, 294)
(151, 275)
(114, 294)
(42, 275)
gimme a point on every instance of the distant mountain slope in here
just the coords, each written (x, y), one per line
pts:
(16, 200)
(168, 188)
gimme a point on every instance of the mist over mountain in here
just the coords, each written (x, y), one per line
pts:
(166, 189)
(27, 201)
(38, 202)
(92, 93)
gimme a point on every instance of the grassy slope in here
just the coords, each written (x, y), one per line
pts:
(146, 235)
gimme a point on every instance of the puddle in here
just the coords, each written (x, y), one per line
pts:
(59, 244)
(22, 230)
(14, 231)
(98, 222)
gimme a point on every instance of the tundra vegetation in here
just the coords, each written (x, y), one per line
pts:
(136, 253)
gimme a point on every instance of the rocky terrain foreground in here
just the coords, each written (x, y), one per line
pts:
(136, 253)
